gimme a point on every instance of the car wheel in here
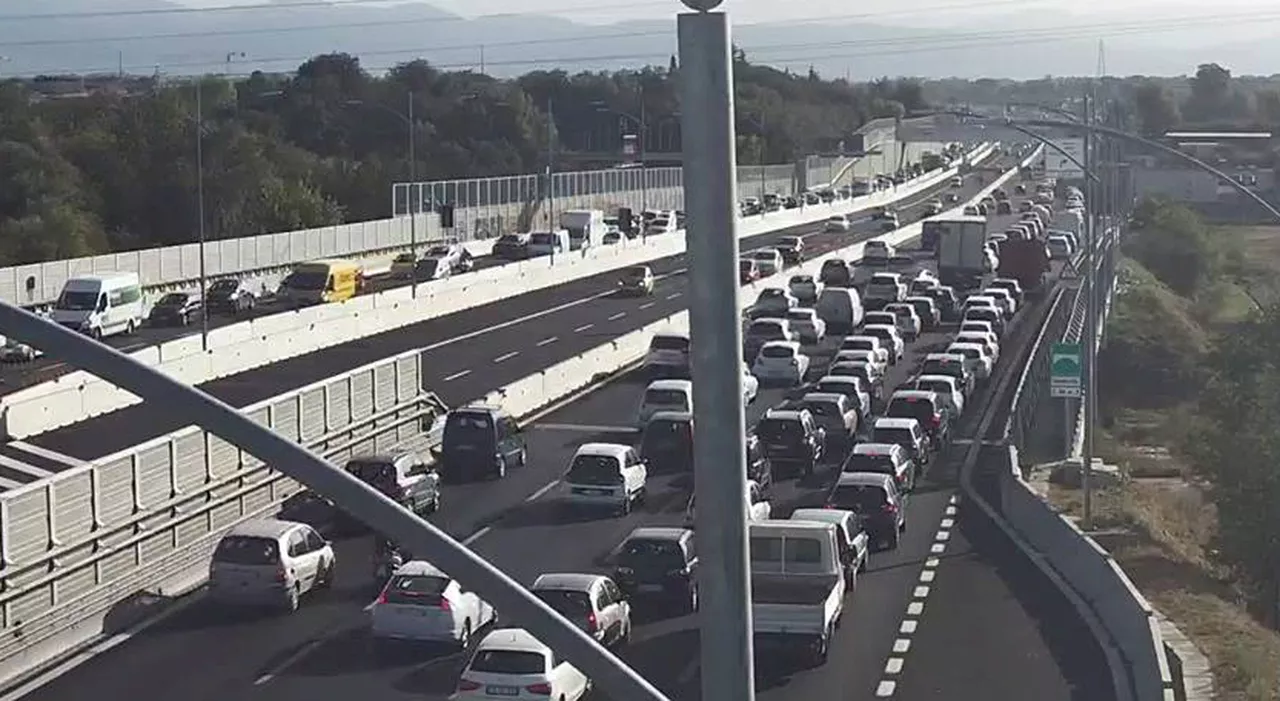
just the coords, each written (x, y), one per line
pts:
(292, 599)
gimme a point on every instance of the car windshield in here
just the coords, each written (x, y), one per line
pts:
(780, 352)
(635, 273)
(901, 436)
(517, 662)
(967, 351)
(766, 330)
(665, 435)
(438, 251)
(594, 470)
(909, 408)
(869, 463)
(845, 388)
(772, 294)
(746, 266)
(224, 286)
(509, 239)
(825, 409)
(859, 498)
(428, 266)
(570, 604)
(415, 590)
(173, 299)
(244, 550)
(645, 552)
(941, 367)
(780, 431)
(865, 344)
(675, 343)
(405, 258)
(665, 397)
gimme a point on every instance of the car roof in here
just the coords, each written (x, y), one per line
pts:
(783, 414)
(823, 397)
(943, 356)
(421, 568)
(517, 639)
(608, 450)
(567, 581)
(263, 528)
(947, 378)
(671, 416)
(670, 384)
(894, 422)
(869, 479)
(671, 533)
(876, 448)
(915, 394)
(792, 345)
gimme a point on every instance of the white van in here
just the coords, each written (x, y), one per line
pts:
(548, 243)
(586, 227)
(101, 305)
(841, 309)
(665, 395)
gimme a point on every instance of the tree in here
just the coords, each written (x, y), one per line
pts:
(1210, 93)
(1156, 110)
(1174, 245)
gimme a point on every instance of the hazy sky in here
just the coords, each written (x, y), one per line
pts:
(912, 12)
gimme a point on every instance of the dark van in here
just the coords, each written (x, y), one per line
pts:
(480, 442)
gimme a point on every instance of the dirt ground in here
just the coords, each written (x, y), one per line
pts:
(1159, 526)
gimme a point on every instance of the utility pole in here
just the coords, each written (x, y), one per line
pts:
(551, 174)
(415, 196)
(1088, 341)
(710, 193)
(204, 283)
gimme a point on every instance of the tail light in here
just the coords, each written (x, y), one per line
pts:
(282, 575)
(543, 689)
(591, 623)
(828, 506)
(444, 604)
(890, 509)
(936, 420)
(467, 685)
(382, 597)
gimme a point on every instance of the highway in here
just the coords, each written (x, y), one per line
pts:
(974, 636)
(470, 352)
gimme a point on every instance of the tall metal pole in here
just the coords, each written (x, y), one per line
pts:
(415, 201)
(551, 176)
(1091, 321)
(763, 141)
(644, 164)
(204, 283)
(710, 191)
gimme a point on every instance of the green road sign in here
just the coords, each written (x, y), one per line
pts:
(1065, 364)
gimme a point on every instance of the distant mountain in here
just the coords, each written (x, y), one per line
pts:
(145, 36)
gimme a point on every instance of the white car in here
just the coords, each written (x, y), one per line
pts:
(806, 322)
(979, 326)
(781, 361)
(593, 601)
(985, 339)
(758, 507)
(977, 354)
(1059, 247)
(805, 288)
(889, 336)
(509, 663)
(665, 395)
(421, 603)
(909, 322)
(852, 387)
(838, 222)
(750, 385)
(878, 252)
(271, 562)
(454, 255)
(606, 474)
(870, 343)
(1004, 299)
(768, 259)
(982, 302)
(946, 387)
(859, 356)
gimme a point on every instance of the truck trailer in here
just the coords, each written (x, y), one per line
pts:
(961, 250)
(1025, 260)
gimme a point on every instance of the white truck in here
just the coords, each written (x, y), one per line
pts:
(586, 227)
(797, 587)
(962, 256)
(100, 305)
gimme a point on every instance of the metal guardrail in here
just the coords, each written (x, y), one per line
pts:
(76, 546)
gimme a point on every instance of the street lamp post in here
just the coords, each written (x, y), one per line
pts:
(551, 173)
(200, 227)
(414, 194)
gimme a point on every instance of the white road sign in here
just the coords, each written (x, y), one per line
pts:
(1059, 166)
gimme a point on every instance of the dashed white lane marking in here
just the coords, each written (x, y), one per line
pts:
(893, 667)
(582, 328)
(506, 356)
(617, 316)
(674, 295)
(476, 536)
(646, 305)
(545, 488)
(547, 341)
(457, 375)
(289, 661)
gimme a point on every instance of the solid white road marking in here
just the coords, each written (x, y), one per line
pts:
(506, 356)
(547, 341)
(457, 375)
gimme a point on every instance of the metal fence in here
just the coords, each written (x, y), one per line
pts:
(74, 546)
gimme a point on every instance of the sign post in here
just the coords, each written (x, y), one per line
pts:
(1065, 371)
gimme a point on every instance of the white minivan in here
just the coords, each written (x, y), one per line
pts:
(665, 395)
(101, 305)
(841, 309)
(611, 475)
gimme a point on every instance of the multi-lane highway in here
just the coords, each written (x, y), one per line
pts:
(971, 636)
(468, 353)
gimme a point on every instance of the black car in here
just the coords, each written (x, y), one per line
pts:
(230, 296)
(666, 444)
(925, 408)
(175, 309)
(511, 247)
(480, 442)
(877, 501)
(659, 563)
(791, 248)
(792, 438)
(319, 512)
(759, 467)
